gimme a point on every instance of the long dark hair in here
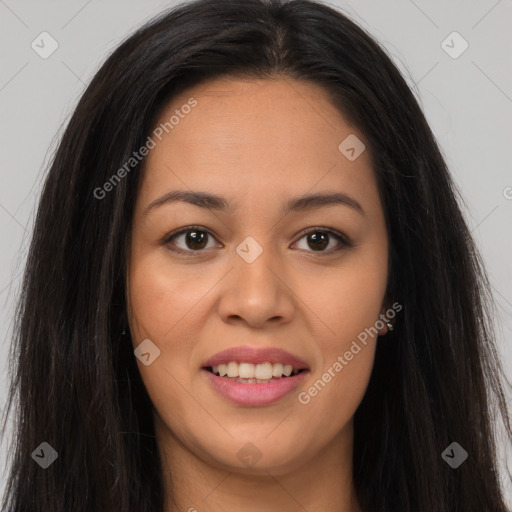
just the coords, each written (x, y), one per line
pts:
(75, 384)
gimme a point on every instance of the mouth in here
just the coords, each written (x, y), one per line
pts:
(251, 377)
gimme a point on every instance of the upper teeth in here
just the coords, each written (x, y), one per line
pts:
(262, 371)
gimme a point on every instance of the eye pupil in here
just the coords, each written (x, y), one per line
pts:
(318, 237)
(192, 239)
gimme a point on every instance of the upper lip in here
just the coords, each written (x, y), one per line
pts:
(246, 354)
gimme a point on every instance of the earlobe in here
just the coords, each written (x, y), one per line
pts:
(387, 327)
(385, 318)
(386, 324)
(383, 331)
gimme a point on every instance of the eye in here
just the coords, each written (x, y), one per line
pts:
(195, 239)
(320, 238)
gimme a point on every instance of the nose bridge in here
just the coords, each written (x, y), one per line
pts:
(256, 263)
(256, 291)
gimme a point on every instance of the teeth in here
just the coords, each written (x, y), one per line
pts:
(277, 370)
(232, 369)
(246, 371)
(261, 372)
(222, 369)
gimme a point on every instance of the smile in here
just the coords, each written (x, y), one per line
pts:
(252, 376)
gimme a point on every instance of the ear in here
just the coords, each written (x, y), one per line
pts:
(384, 330)
(384, 321)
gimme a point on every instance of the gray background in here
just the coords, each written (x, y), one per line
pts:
(467, 101)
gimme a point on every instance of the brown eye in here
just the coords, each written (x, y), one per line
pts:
(319, 239)
(190, 239)
(196, 239)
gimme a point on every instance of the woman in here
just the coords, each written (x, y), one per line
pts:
(250, 286)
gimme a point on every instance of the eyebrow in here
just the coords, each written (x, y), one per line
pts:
(215, 202)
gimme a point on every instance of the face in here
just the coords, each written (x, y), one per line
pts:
(245, 274)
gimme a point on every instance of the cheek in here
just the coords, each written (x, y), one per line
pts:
(161, 298)
(350, 299)
(161, 304)
(332, 398)
(348, 306)
(346, 352)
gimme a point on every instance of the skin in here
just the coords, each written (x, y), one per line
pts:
(256, 143)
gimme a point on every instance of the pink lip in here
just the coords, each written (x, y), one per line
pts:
(254, 394)
(252, 355)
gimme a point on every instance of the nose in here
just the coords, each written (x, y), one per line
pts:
(258, 292)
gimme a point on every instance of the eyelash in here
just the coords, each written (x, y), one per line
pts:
(342, 239)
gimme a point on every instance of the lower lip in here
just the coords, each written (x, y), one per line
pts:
(254, 394)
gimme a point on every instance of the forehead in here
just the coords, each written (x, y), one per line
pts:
(259, 136)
